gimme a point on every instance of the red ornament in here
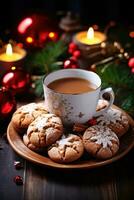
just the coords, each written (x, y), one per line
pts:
(16, 79)
(131, 62)
(37, 30)
(7, 103)
(70, 63)
(92, 122)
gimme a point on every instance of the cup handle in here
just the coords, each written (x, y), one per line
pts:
(111, 93)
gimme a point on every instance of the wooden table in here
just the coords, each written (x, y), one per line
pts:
(111, 182)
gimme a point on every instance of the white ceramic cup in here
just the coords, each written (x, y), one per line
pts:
(75, 108)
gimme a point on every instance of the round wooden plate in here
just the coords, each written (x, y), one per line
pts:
(15, 140)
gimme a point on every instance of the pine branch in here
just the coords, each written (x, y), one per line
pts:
(38, 87)
(121, 80)
(117, 76)
(43, 61)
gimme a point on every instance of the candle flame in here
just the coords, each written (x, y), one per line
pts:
(90, 33)
(9, 50)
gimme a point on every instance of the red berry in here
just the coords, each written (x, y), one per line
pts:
(70, 63)
(132, 70)
(77, 53)
(18, 165)
(18, 180)
(74, 58)
(70, 51)
(67, 63)
(74, 66)
(73, 46)
(92, 122)
(131, 62)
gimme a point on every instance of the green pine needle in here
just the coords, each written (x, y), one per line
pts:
(39, 87)
(43, 61)
(119, 77)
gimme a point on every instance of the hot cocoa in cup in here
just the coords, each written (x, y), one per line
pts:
(73, 95)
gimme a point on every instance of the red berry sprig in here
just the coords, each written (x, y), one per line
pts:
(70, 63)
(131, 64)
(73, 49)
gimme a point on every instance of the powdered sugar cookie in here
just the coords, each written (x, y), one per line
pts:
(116, 120)
(100, 141)
(26, 114)
(45, 130)
(67, 149)
(30, 145)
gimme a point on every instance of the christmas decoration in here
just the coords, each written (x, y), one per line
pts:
(18, 180)
(70, 63)
(132, 70)
(7, 103)
(77, 54)
(47, 59)
(131, 62)
(69, 24)
(92, 122)
(44, 61)
(120, 78)
(36, 30)
(18, 165)
(16, 79)
(11, 54)
(72, 47)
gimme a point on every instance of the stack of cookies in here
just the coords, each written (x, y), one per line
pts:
(42, 131)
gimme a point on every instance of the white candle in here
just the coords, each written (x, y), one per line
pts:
(90, 37)
(10, 56)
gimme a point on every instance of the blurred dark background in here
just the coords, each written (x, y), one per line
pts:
(90, 11)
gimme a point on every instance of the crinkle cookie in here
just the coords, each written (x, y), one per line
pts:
(45, 130)
(67, 149)
(26, 114)
(101, 142)
(30, 145)
(116, 120)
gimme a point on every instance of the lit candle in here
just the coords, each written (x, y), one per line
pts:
(90, 37)
(91, 45)
(10, 56)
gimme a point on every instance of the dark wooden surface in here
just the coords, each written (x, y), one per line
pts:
(111, 182)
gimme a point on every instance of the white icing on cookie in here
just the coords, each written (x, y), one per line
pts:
(63, 142)
(103, 136)
(41, 121)
(53, 118)
(112, 115)
(29, 108)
